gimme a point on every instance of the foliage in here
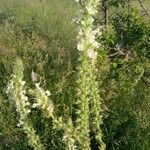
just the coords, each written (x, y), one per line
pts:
(127, 45)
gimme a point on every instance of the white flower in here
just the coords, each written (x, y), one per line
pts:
(64, 137)
(28, 111)
(20, 123)
(25, 98)
(80, 32)
(34, 76)
(50, 109)
(17, 109)
(92, 54)
(91, 10)
(34, 105)
(37, 85)
(97, 32)
(96, 44)
(80, 45)
(23, 82)
(74, 147)
(14, 76)
(27, 103)
(89, 20)
(48, 93)
(8, 88)
(92, 38)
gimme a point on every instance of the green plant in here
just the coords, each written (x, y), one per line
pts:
(17, 92)
(88, 102)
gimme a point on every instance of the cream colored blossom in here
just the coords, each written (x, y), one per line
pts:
(92, 54)
(34, 105)
(91, 10)
(48, 93)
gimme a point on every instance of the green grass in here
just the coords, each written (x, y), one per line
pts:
(53, 18)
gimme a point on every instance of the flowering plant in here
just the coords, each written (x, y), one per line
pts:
(78, 135)
(88, 102)
(17, 92)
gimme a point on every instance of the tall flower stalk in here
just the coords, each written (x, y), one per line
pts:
(17, 92)
(43, 102)
(88, 102)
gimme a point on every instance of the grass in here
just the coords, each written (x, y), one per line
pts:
(53, 18)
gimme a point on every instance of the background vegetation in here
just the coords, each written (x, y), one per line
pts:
(43, 34)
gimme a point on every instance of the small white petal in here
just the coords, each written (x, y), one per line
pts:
(28, 111)
(18, 125)
(91, 10)
(27, 103)
(80, 46)
(26, 98)
(48, 93)
(92, 54)
(23, 83)
(34, 105)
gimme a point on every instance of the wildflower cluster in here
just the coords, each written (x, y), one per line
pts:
(88, 99)
(87, 32)
(42, 100)
(17, 92)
